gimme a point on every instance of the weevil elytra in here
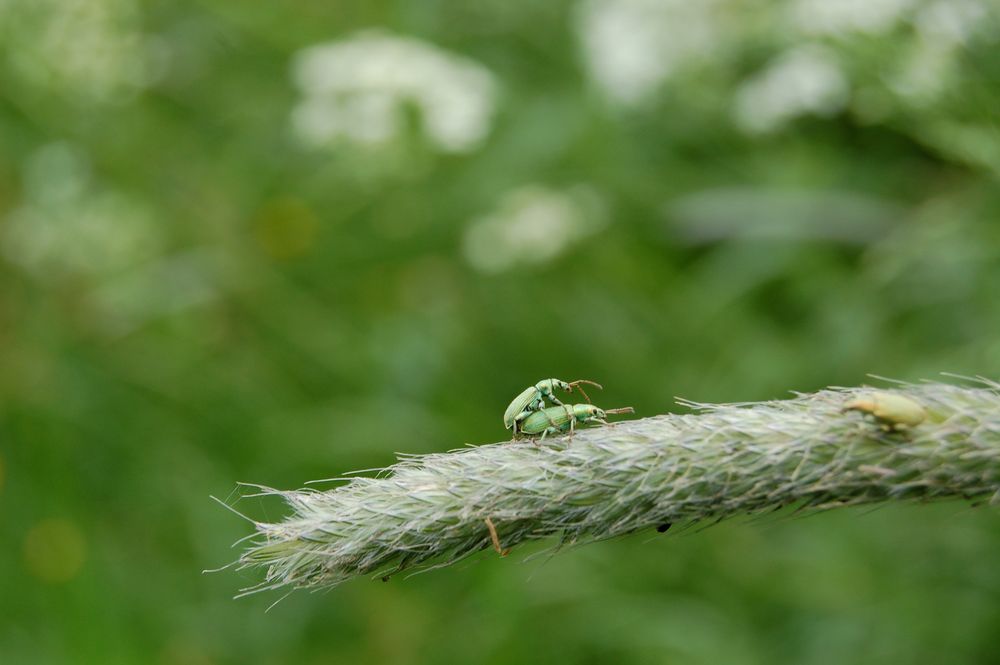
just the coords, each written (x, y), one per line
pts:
(894, 411)
(533, 399)
(556, 419)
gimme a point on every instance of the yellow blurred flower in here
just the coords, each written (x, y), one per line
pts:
(54, 550)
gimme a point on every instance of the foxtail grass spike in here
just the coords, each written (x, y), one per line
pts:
(721, 461)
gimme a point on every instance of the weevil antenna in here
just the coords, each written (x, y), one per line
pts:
(583, 392)
(593, 383)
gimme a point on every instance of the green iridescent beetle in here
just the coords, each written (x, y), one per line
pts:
(564, 417)
(533, 398)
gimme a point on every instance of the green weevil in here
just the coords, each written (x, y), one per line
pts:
(556, 419)
(533, 398)
(894, 411)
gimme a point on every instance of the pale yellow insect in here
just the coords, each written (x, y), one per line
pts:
(894, 411)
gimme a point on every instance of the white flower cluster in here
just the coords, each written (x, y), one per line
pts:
(67, 224)
(357, 89)
(823, 17)
(92, 49)
(532, 225)
(71, 227)
(806, 80)
(633, 46)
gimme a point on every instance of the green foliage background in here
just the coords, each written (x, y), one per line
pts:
(191, 296)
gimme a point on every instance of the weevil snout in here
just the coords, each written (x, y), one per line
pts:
(624, 409)
(603, 413)
(865, 405)
(895, 411)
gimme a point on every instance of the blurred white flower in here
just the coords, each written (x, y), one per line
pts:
(155, 289)
(943, 27)
(805, 80)
(922, 75)
(65, 224)
(90, 48)
(633, 46)
(532, 225)
(834, 17)
(356, 89)
(950, 21)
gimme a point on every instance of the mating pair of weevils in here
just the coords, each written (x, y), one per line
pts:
(527, 414)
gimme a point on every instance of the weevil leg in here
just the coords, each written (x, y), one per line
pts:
(549, 430)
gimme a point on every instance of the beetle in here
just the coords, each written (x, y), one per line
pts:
(894, 411)
(556, 419)
(533, 398)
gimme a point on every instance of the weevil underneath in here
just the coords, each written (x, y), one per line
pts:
(557, 419)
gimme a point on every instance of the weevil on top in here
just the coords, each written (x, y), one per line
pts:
(894, 412)
(533, 398)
